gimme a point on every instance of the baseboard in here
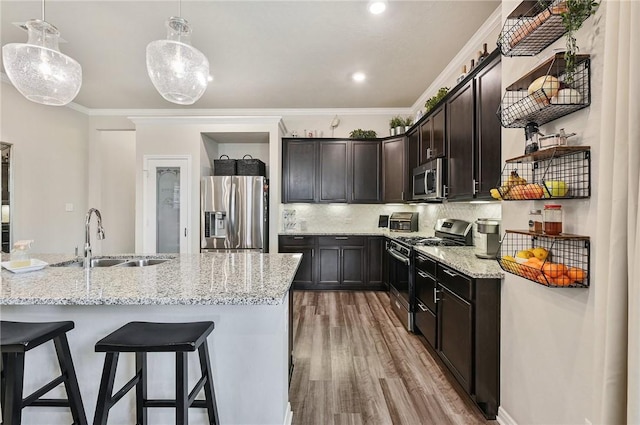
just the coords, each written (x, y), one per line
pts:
(288, 417)
(505, 418)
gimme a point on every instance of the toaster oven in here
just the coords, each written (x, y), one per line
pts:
(403, 222)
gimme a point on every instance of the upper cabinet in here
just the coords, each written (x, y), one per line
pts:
(432, 136)
(331, 170)
(299, 161)
(474, 134)
(395, 176)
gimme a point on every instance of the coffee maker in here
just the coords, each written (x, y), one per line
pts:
(488, 241)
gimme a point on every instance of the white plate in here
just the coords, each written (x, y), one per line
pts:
(35, 265)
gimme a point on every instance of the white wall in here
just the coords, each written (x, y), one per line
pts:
(49, 169)
(117, 160)
(547, 333)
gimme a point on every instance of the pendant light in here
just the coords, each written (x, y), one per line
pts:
(37, 68)
(179, 71)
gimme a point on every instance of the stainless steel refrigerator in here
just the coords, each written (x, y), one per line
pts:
(234, 213)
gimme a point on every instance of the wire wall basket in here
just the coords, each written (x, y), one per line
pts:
(553, 173)
(547, 93)
(555, 261)
(532, 27)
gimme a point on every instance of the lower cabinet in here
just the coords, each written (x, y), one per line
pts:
(337, 262)
(459, 317)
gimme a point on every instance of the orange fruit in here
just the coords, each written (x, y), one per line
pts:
(576, 274)
(542, 279)
(563, 280)
(554, 269)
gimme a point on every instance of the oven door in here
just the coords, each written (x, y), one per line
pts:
(399, 286)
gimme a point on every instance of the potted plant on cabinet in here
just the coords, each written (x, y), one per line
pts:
(396, 125)
(408, 122)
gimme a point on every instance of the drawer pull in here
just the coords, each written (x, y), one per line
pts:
(450, 273)
(422, 274)
(422, 307)
(298, 238)
(342, 238)
(435, 296)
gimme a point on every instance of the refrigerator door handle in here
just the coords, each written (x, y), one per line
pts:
(231, 217)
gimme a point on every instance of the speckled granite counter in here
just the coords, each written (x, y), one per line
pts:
(380, 232)
(464, 260)
(210, 278)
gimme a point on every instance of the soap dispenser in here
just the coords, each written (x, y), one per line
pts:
(20, 256)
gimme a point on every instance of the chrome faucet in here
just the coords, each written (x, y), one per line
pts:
(87, 239)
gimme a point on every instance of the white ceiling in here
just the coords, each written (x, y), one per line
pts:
(263, 54)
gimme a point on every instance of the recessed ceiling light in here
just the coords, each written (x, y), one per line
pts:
(377, 6)
(359, 77)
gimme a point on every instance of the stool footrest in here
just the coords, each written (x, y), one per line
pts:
(196, 389)
(29, 400)
(50, 402)
(172, 403)
(125, 389)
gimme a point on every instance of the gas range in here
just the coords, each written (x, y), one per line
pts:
(428, 241)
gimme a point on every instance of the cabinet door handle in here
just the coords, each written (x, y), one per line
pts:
(298, 238)
(422, 274)
(475, 186)
(450, 273)
(403, 195)
(422, 307)
(445, 190)
(342, 238)
(435, 295)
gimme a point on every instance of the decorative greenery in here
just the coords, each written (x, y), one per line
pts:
(408, 122)
(363, 134)
(434, 100)
(396, 121)
(577, 11)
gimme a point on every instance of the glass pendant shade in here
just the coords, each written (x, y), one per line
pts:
(37, 68)
(178, 70)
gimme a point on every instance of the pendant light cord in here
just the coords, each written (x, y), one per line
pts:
(43, 17)
(179, 8)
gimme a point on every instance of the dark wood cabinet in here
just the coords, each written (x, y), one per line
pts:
(432, 136)
(337, 262)
(307, 246)
(459, 317)
(375, 260)
(331, 170)
(341, 261)
(365, 172)
(455, 344)
(395, 176)
(460, 136)
(414, 152)
(474, 134)
(487, 168)
(300, 158)
(333, 161)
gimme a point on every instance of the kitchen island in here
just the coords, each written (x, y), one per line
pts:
(245, 294)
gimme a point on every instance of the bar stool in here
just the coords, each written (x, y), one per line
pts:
(147, 337)
(16, 338)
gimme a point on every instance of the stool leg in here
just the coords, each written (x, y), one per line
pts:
(209, 392)
(106, 389)
(70, 380)
(12, 409)
(141, 388)
(182, 390)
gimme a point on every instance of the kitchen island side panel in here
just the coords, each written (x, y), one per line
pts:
(248, 349)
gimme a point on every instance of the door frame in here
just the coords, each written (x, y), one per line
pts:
(152, 162)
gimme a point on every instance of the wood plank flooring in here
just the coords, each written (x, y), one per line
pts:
(355, 364)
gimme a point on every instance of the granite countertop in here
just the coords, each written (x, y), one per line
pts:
(463, 259)
(208, 278)
(380, 232)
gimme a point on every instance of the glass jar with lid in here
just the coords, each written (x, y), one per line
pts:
(535, 221)
(552, 219)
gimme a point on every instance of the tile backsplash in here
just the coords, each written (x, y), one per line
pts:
(364, 218)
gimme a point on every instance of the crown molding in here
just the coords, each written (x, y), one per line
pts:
(493, 22)
(207, 119)
(247, 112)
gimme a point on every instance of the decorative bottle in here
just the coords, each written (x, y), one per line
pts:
(483, 54)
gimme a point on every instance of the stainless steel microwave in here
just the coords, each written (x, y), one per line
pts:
(428, 183)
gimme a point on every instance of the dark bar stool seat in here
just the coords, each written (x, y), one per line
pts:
(147, 337)
(16, 338)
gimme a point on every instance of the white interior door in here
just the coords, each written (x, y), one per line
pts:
(167, 204)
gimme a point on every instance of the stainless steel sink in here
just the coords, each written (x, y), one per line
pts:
(142, 262)
(114, 262)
